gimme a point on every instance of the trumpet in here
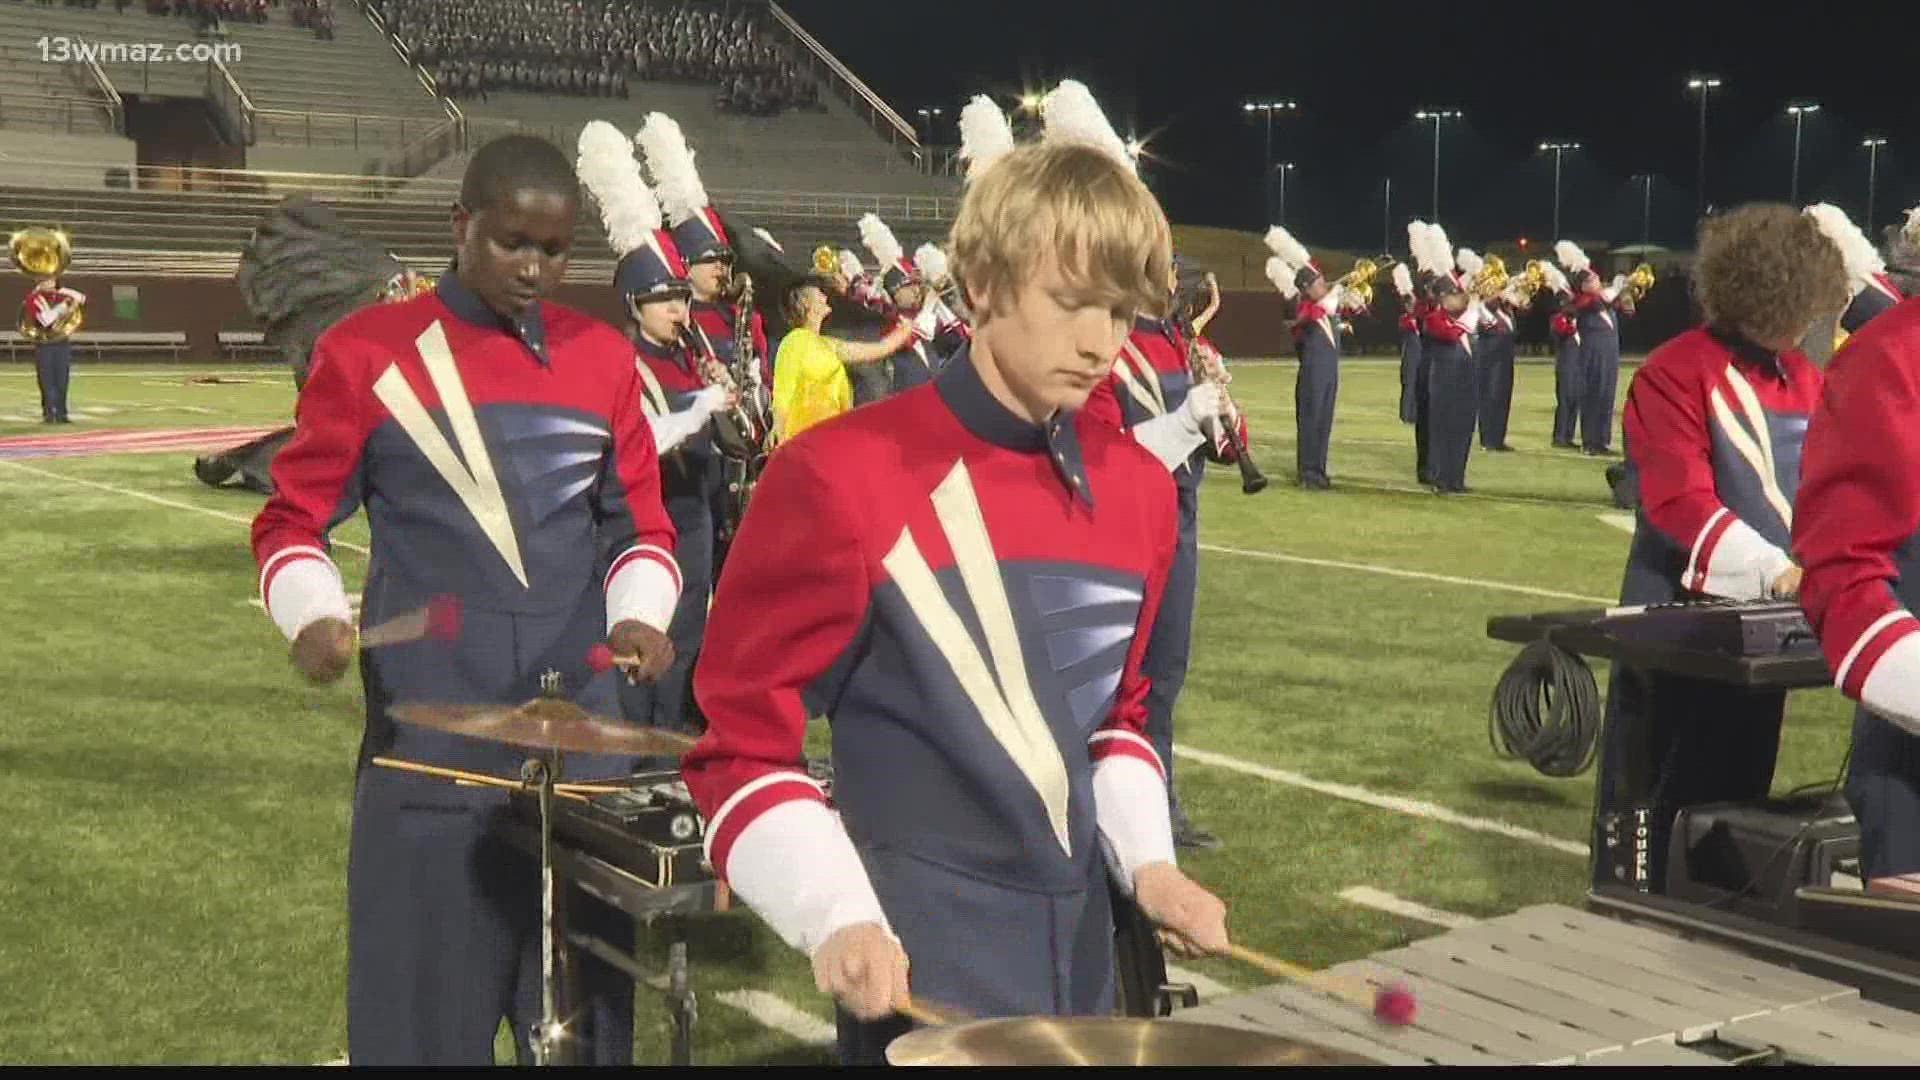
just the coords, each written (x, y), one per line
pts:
(44, 253)
(1358, 282)
(1639, 282)
(1491, 281)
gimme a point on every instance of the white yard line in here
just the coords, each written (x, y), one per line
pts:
(779, 1014)
(1354, 793)
(1623, 522)
(1417, 575)
(1367, 896)
(155, 499)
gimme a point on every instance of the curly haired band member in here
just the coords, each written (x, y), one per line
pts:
(1713, 425)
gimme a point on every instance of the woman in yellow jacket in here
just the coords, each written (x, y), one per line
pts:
(810, 370)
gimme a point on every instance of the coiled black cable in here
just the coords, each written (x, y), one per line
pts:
(1547, 710)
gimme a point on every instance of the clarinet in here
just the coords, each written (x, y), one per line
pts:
(1252, 481)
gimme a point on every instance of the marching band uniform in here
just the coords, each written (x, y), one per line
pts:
(53, 359)
(547, 522)
(1566, 373)
(1453, 388)
(1316, 332)
(1712, 429)
(1494, 351)
(1854, 534)
(975, 778)
(1433, 254)
(1596, 321)
(1412, 313)
(1146, 396)
(911, 365)
(676, 396)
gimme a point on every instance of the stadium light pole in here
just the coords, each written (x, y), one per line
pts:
(1436, 115)
(1268, 108)
(1873, 146)
(1799, 114)
(1386, 218)
(1701, 86)
(1558, 149)
(926, 116)
(1646, 208)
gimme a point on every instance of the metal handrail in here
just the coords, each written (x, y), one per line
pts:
(116, 106)
(846, 75)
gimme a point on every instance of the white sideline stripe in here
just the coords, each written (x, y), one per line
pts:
(1410, 807)
(1623, 522)
(779, 1014)
(1367, 896)
(1208, 988)
(157, 500)
(335, 1061)
(1417, 575)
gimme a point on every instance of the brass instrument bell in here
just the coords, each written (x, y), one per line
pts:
(39, 253)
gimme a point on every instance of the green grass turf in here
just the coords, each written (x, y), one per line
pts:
(174, 885)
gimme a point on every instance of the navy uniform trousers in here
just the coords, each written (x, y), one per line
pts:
(1567, 383)
(1670, 740)
(1423, 413)
(988, 949)
(1600, 383)
(665, 703)
(1495, 355)
(53, 365)
(1315, 391)
(443, 913)
(1453, 407)
(1170, 644)
(1883, 790)
(1409, 376)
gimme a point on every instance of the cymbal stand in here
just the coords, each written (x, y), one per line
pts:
(552, 1043)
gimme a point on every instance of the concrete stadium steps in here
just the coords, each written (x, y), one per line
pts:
(415, 228)
(41, 96)
(794, 151)
(280, 66)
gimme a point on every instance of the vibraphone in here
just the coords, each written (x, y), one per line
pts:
(1553, 985)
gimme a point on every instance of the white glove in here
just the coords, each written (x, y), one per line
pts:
(1203, 403)
(1174, 437)
(709, 401)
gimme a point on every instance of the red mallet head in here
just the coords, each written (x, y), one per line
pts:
(443, 617)
(1395, 1005)
(600, 658)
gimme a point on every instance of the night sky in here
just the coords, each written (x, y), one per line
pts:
(1611, 77)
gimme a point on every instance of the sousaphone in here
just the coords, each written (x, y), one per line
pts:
(41, 252)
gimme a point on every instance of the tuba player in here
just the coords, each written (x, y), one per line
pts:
(46, 310)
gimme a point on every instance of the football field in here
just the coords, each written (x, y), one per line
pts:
(173, 883)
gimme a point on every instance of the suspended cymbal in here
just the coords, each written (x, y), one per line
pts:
(544, 724)
(1098, 1040)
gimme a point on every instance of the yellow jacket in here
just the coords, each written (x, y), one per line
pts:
(809, 383)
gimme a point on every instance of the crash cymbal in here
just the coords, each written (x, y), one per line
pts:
(1099, 1040)
(544, 724)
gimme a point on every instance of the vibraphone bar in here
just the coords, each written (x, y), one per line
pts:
(1553, 985)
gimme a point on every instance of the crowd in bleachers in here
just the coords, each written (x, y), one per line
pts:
(594, 47)
(210, 16)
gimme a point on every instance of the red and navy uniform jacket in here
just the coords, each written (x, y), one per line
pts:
(1858, 517)
(669, 379)
(1499, 328)
(1596, 322)
(966, 596)
(1563, 324)
(716, 320)
(1443, 331)
(1150, 379)
(506, 463)
(1714, 428)
(1410, 318)
(1317, 328)
(47, 308)
(1877, 296)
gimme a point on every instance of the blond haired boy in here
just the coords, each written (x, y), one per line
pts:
(963, 579)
